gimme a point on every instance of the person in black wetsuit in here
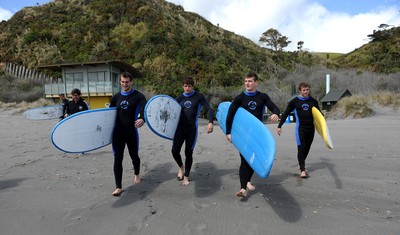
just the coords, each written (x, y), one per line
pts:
(191, 102)
(253, 101)
(130, 103)
(77, 104)
(64, 103)
(302, 105)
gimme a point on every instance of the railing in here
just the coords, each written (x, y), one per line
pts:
(94, 88)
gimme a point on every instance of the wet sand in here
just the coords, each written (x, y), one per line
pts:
(352, 189)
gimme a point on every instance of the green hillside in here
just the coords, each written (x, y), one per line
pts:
(157, 37)
(381, 55)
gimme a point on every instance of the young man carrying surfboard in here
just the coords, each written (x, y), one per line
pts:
(254, 102)
(305, 129)
(129, 103)
(191, 102)
(77, 104)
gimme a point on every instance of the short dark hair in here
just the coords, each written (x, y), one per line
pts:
(252, 75)
(303, 84)
(188, 80)
(76, 91)
(127, 75)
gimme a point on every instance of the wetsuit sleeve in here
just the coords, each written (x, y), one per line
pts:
(64, 104)
(67, 108)
(209, 110)
(285, 114)
(231, 114)
(317, 106)
(272, 106)
(85, 106)
(113, 102)
(142, 104)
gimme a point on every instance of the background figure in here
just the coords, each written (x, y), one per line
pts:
(77, 104)
(302, 105)
(64, 103)
(191, 102)
(253, 101)
(130, 103)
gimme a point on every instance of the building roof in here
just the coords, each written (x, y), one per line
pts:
(121, 65)
(335, 95)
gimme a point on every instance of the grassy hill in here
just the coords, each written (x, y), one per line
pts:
(159, 38)
(381, 55)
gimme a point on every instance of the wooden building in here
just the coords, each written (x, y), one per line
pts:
(333, 97)
(97, 81)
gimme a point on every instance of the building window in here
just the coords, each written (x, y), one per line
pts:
(74, 77)
(97, 77)
(115, 83)
(74, 80)
(99, 82)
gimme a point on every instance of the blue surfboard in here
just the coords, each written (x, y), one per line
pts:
(162, 115)
(251, 138)
(84, 131)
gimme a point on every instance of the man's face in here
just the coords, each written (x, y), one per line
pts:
(304, 91)
(126, 84)
(187, 88)
(250, 85)
(75, 97)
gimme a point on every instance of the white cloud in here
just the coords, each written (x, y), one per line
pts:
(299, 20)
(5, 14)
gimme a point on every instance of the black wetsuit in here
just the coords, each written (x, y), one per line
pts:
(79, 106)
(64, 105)
(304, 125)
(187, 128)
(129, 106)
(254, 103)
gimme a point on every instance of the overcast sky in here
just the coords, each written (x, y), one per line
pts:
(323, 25)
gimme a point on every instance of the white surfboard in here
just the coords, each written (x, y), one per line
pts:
(84, 131)
(162, 114)
(44, 113)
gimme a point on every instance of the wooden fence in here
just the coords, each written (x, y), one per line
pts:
(23, 72)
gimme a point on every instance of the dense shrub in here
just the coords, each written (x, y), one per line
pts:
(14, 89)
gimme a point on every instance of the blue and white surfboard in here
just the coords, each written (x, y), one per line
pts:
(84, 131)
(162, 115)
(251, 138)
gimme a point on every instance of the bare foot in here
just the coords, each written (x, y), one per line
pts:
(250, 186)
(117, 192)
(180, 174)
(303, 174)
(185, 181)
(241, 193)
(136, 179)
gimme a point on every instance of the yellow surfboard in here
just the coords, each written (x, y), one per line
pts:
(321, 127)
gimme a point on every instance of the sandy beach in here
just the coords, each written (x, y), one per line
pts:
(352, 189)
